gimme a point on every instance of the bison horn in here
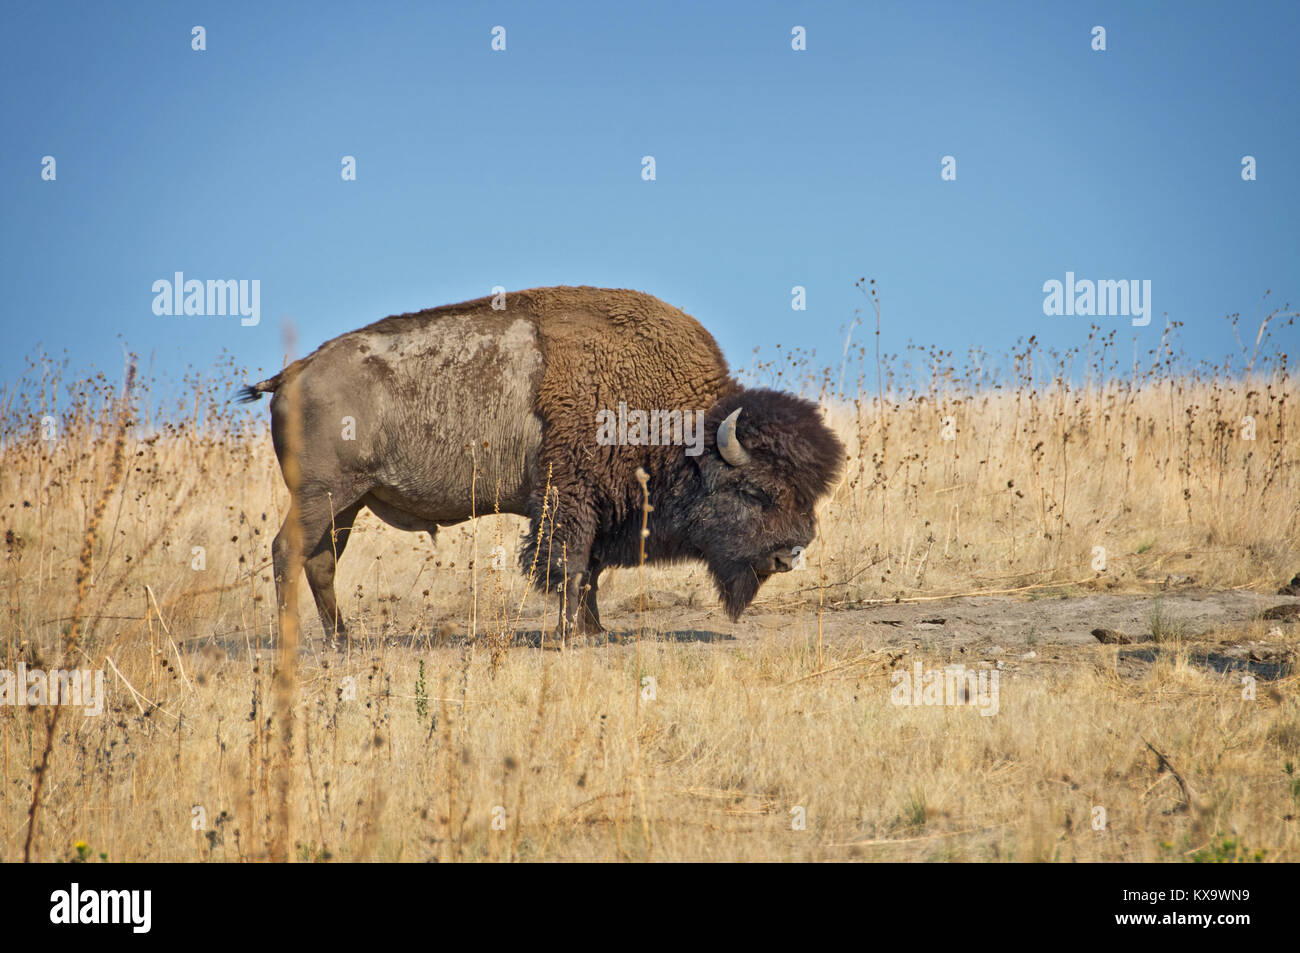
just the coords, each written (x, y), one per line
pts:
(729, 444)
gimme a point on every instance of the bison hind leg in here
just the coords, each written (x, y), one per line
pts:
(323, 535)
(320, 565)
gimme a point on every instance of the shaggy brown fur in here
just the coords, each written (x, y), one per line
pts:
(602, 347)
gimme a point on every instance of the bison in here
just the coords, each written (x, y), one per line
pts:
(431, 418)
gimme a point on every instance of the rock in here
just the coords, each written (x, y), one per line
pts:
(1288, 613)
(1111, 637)
(663, 599)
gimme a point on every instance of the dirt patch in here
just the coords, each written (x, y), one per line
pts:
(1224, 630)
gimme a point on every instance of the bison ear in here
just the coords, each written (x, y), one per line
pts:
(729, 445)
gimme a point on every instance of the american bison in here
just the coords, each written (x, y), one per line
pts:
(431, 418)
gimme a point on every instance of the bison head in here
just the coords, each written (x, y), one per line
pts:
(768, 458)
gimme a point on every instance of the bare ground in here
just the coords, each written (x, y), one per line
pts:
(1223, 629)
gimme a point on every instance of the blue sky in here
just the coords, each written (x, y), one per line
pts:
(774, 168)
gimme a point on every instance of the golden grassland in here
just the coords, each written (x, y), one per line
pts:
(137, 541)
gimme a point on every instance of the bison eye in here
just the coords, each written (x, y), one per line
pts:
(756, 496)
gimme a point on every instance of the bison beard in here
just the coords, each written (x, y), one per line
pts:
(737, 586)
(473, 406)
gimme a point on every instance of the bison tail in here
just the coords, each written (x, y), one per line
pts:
(254, 392)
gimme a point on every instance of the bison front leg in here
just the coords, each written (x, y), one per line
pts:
(588, 611)
(558, 542)
(581, 619)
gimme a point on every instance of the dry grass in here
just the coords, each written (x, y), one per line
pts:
(414, 743)
(726, 752)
